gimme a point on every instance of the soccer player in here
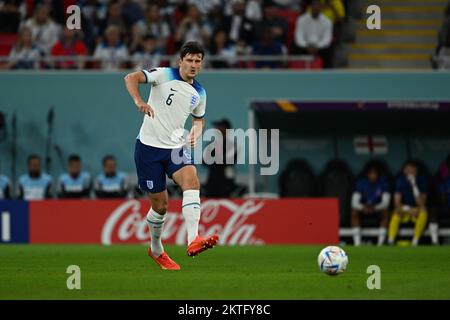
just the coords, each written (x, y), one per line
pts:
(75, 183)
(35, 185)
(410, 202)
(111, 183)
(371, 196)
(161, 149)
(5, 187)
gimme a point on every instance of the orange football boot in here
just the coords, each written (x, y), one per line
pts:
(200, 244)
(164, 261)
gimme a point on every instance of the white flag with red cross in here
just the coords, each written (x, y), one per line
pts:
(370, 145)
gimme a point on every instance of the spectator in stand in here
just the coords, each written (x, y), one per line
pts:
(286, 4)
(11, 13)
(69, 46)
(253, 10)
(205, 7)
(24, 55)
(237, 26)
(444, 31)
(5, 187)
(133, 17)
(442, 59)
(112, 52)
(157, 27)
(113, 18)
(147, 55)
(313, 34)
(56, 10)
(45, 32)
(269, 46)
(132, 13)
(333, 10)
(277, 25)
(222, 48)
(111, 183)
(409, 202)
(371, 197)
(35, 185)
(193, 28)
(93, 12)
(216, 18)
(75, 183)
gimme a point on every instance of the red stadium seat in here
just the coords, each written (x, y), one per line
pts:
(317, 63)
(7, 41)
(67, 3)
(291, 17)
(30, 6)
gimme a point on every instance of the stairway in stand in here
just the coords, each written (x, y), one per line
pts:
(407, 38)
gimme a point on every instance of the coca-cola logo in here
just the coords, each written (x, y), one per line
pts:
(226, 218)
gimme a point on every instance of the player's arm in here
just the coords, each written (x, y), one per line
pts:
(7, 192)
(421, 200)
(384, 204)
(132, 81)
(20, 192)
(419, 196)
(397, 201)
(196, 131)
(48, 191)
(356, 201)
(87, 189)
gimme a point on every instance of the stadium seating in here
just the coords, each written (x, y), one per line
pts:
(7, 41)
(337, 180)
(297, 180)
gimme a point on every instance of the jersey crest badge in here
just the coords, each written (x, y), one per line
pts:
(194, 100)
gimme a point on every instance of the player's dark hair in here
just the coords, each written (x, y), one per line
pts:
(191, 47)
(410, 163)
(74, 158)
(33, 157)
(107, 158)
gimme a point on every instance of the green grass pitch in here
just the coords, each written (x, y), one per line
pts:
(257, 272)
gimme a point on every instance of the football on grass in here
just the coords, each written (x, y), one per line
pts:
(332, 260)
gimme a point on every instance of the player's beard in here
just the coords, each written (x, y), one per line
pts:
(35, 174)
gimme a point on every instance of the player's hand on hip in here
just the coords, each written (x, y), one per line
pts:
(145, 108)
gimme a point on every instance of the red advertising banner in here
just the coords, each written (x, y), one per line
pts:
(237, 221)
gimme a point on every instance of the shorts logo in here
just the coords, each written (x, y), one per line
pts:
(150, 184)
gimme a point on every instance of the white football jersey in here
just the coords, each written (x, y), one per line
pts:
(173, 100)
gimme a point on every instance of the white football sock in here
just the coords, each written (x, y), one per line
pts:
(415, 242)
(434, 232)
(356, 236)
(191, 213)
(381, 236)
(156, 223)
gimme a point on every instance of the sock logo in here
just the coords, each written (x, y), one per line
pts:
(150, 184)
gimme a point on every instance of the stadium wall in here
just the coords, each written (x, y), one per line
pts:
(94, 116)
(239, 222)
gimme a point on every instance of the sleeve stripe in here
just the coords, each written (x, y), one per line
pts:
(197, 117)
(145, 74)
